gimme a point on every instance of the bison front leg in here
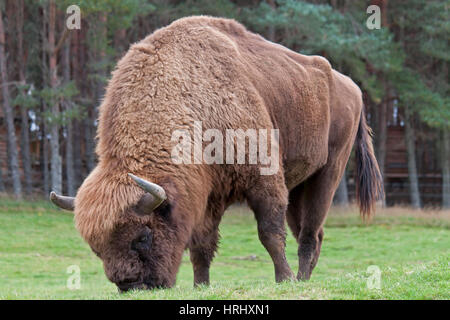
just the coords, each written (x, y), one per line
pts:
(202, 250)
(269, 203)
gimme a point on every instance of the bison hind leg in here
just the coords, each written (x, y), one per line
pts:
(308, 207)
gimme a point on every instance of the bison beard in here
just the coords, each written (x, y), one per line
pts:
(215, 71)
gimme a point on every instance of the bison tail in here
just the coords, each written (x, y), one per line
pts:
(369, 182)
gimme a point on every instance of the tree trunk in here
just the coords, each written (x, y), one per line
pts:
(446, 168)
(9, 117)
(25, 130)
(77, 138)
(412, 167)
(56, 163)
(25, 149)
(70, 171)
(70, 175)
(341, 196)
(271, 31)
(89, 142)
(86, 123)
(45, 160)
(99, 85)
(383, 4)
(77, 161)
(2, 184)
(383, 109)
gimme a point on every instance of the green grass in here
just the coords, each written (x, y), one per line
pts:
(412, 250)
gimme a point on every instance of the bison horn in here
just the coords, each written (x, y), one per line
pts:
(67, 203)
(153, 199)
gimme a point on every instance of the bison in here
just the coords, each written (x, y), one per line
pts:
(139, 209)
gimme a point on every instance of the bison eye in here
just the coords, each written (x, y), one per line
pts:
(143, 239)
(143, 242)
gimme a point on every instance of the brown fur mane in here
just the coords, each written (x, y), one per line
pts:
(140, 111)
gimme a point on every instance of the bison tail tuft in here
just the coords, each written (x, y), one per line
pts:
(369, 182)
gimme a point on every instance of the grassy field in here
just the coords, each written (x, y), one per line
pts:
(411, 249)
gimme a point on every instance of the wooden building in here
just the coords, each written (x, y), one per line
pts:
(396, 168)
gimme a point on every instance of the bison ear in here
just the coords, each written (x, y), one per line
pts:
(66, 203)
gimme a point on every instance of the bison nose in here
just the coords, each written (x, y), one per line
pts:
(126, 286)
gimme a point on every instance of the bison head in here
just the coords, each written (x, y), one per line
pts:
(140, 248)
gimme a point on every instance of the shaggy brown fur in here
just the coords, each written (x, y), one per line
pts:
(215, 71)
